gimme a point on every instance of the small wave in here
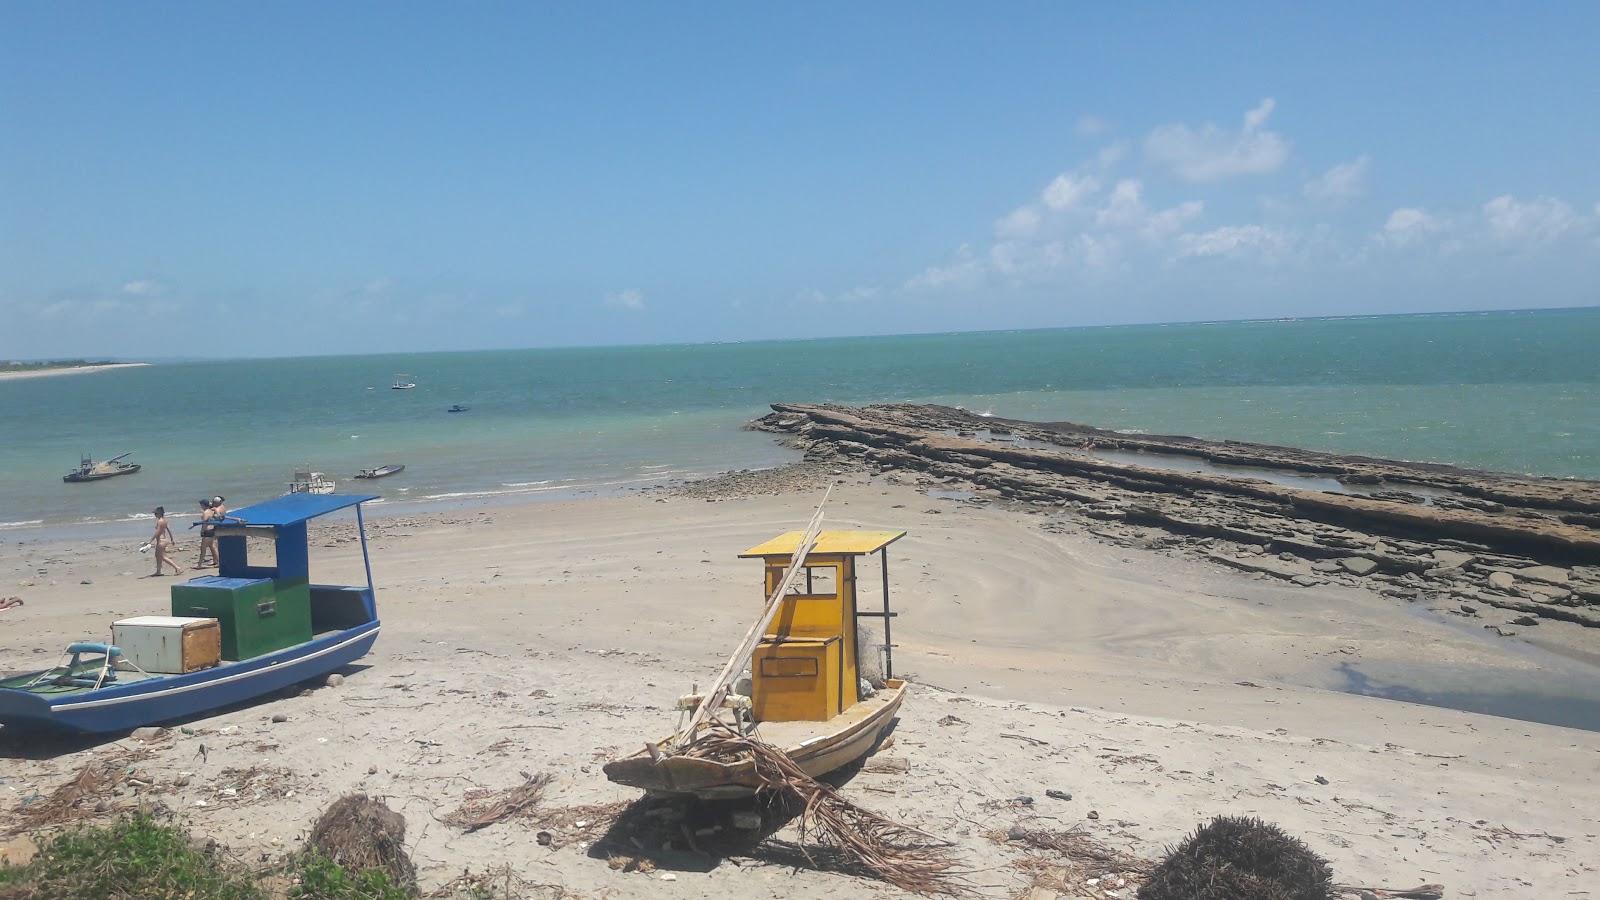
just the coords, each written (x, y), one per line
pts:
(21, 524)
(524, 483)
(1129, 431)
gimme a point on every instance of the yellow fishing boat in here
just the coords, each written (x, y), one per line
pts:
(805, 693)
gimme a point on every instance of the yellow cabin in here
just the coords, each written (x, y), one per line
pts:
(806, 668)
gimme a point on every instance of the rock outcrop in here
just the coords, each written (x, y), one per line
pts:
(1412, 530)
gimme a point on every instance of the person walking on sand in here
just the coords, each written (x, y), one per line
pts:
(208, 535)
(162, 540)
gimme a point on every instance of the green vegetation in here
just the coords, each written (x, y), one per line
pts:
(136, 857)
(12, 365)
(139, 857)
(323, 879)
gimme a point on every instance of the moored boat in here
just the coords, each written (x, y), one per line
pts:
(89, 470)
(458, 408)
(244, 632)
(381, 471)
(806, 693)
(309, 482)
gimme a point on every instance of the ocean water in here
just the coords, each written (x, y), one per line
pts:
(1506, 391)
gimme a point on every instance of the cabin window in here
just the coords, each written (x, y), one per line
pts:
(816, 581)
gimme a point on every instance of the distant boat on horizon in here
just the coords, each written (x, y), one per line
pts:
(458, 408)
(401, 384)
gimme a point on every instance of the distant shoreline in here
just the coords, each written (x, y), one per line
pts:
(66, 370)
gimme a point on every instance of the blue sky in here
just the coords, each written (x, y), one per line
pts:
(298, 178)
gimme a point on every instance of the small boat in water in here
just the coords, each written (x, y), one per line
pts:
(806, 693)
(309, 482)
(381, 472)
(89, 470)
(251, 629)
(458, 408)
(401, 384)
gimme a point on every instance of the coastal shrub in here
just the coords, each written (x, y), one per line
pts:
(1233, 857)
(361, 833)
(320, 878)
(137, 856)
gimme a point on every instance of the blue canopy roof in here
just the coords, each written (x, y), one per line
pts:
(294, 508)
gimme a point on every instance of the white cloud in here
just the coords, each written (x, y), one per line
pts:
(1236, 242)
(1341, 183)
(1111, 154)
(1090, 126)
(1023, 222)
(966, 271)
(854, 295)
(630, 298)
(142, 288)
(1538, 220)
(1069, 190)
(1124, 208)
(1211, 153)
(1171, 221)
(1407, 225)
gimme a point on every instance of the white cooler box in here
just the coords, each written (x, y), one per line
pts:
(169, 645)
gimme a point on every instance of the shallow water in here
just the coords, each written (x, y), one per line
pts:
(1568, 697)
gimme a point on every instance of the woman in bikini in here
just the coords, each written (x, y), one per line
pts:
(162, 540)
(208, 536)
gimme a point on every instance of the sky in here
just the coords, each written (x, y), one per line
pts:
(297, 178)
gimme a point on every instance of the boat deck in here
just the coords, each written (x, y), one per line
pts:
(790, 735)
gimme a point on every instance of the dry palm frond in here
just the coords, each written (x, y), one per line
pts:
(1077, 846)
(475, 814)
(95, 781)
(903, 856)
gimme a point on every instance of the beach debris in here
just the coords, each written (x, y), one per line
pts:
(952, 720)
(362, 832)
(279, 718)
(1420, 892)
(1072, 863)
(481, 811)
(148, 733)
(1058, 795)
(10, 603)
(78, 798)
(894, 765)
(1321, 780)
(1239, 856)
(903, 856)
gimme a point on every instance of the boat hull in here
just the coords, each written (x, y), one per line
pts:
(714, 780)
(76, 477)
(381, 472)
(170, 697)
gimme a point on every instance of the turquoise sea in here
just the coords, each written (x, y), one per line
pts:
(1508, 391)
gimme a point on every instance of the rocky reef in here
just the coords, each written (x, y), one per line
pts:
(1416, 531)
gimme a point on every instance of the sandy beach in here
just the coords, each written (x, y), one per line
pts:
(1156, 690)
(68, 370)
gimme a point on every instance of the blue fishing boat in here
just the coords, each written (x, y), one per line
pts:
(244, 632)
(458, 408)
